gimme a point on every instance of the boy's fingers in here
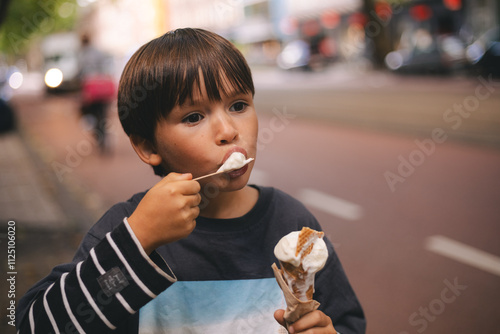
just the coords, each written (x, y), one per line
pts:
(174, 177)
(187, 186)
(191, 216)
(313, 319)
(178, 176)
(196, 200)
(278, 315)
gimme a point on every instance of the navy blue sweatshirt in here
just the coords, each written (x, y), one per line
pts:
(217, 280)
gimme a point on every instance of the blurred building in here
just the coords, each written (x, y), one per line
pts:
(468, 18)
(434, 35)
(481, 15)
(120, 26)
(333, 29)
(248, 23)
(261, 28)
(280, 31)
(216, 15)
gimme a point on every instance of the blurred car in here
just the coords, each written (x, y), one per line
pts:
(426, 53)
(60, 61)
(8, 81)
(295, 54)
(484, 53)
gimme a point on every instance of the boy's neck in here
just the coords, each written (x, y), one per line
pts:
(228, 205)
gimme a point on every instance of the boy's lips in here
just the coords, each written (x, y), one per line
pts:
(231, 151)
(229, 170)
(238, 172)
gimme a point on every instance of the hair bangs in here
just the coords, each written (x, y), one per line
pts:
(218, 63)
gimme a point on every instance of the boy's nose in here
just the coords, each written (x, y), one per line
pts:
(226, 131)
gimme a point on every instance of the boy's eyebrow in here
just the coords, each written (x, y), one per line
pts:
(237, 93)
(190, 102)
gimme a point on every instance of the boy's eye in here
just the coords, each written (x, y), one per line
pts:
(192, 118)
(238, 106)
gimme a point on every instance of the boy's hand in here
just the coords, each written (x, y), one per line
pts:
(315, 322)
(167, 212)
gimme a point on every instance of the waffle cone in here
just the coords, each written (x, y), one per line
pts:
(295, 308)
(298, 280)
(305, 244)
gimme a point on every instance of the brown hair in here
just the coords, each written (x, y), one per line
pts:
(163, 73)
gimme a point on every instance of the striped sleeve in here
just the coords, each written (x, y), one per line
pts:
(113, 283)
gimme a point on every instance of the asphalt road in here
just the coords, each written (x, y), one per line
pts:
(409, 196)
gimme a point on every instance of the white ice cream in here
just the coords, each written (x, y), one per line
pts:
(313, 262)
(235, 161)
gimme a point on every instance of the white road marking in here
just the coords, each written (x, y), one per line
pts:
(463, 253)
(330, 204)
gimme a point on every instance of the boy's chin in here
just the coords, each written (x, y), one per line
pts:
(235, 186)
(226, 183)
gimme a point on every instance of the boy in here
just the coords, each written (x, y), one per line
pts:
(188, 256)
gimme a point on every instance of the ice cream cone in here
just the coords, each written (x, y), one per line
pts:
(300, 281)
(296, 276)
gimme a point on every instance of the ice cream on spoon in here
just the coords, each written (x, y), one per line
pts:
(235, 161)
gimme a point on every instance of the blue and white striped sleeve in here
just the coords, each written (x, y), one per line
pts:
(113, 283)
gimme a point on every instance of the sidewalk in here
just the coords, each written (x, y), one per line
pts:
(45, 234)
(274, 78)
(358, 76)
(25, 195)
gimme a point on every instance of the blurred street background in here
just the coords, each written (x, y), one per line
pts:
(382, 117)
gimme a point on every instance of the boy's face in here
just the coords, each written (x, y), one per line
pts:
(198, 136)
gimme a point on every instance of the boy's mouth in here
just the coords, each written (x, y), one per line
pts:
(235, 162)
(231, 151)
(238, 172)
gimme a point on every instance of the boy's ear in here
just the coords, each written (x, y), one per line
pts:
(145, 150)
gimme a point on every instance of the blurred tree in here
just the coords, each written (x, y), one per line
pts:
(4, 5)
(24, 20)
